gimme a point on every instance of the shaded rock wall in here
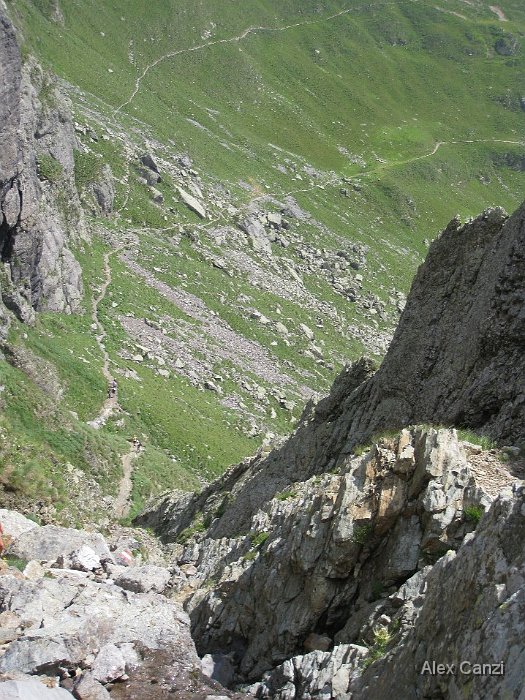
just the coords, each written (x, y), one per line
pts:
(40, 212)
(456, 357)
(321, 555)
(466, 613)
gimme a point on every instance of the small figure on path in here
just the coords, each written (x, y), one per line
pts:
(112, 391)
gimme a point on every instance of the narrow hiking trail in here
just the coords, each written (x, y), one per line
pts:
(111, 404)
(122, 501)
(244, 35)
(287, 27)
(439, 144)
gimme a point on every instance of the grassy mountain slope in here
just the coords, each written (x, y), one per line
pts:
(382, 120)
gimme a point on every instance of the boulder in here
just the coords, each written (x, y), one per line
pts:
(281, 328)
(144, 579)
(192, 203)
(149, 176)
(85, 559)
(257, 236)
(148, 160)
(87, 688)
(306, 331)
(31, 690)
(275, 219)
(50, 542)
(109, 664)
(156, 195)
(15, 524)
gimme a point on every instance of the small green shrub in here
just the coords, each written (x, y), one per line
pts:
(285, 495)
(360, 450)
(221, 508)
(382, 637)
(88, 169)
(473, 514)
(210, 582)
(259, 539)
(49, 168)
(18, 563)
(249, 556)
(468, 436)
(35, 518)
(197, 526)
(361, 534)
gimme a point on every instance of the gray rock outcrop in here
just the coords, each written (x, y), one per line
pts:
(473, 612)
(66, 620)
(39, 207)
(144, 579)
(50, 542)
(88, 629)
(457, 613)
(321, 555)
(315, 675)
(257, 235)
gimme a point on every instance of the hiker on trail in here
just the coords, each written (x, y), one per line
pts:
(112, 391)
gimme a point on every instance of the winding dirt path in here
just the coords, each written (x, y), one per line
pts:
(111, 404)
(122, 501)
(438, 145)
(294, 25)
(238, 38)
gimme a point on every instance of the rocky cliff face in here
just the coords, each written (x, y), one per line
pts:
(311, 545)
(466, 612)
(40, 212)
(456, 359)
(327, 554)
